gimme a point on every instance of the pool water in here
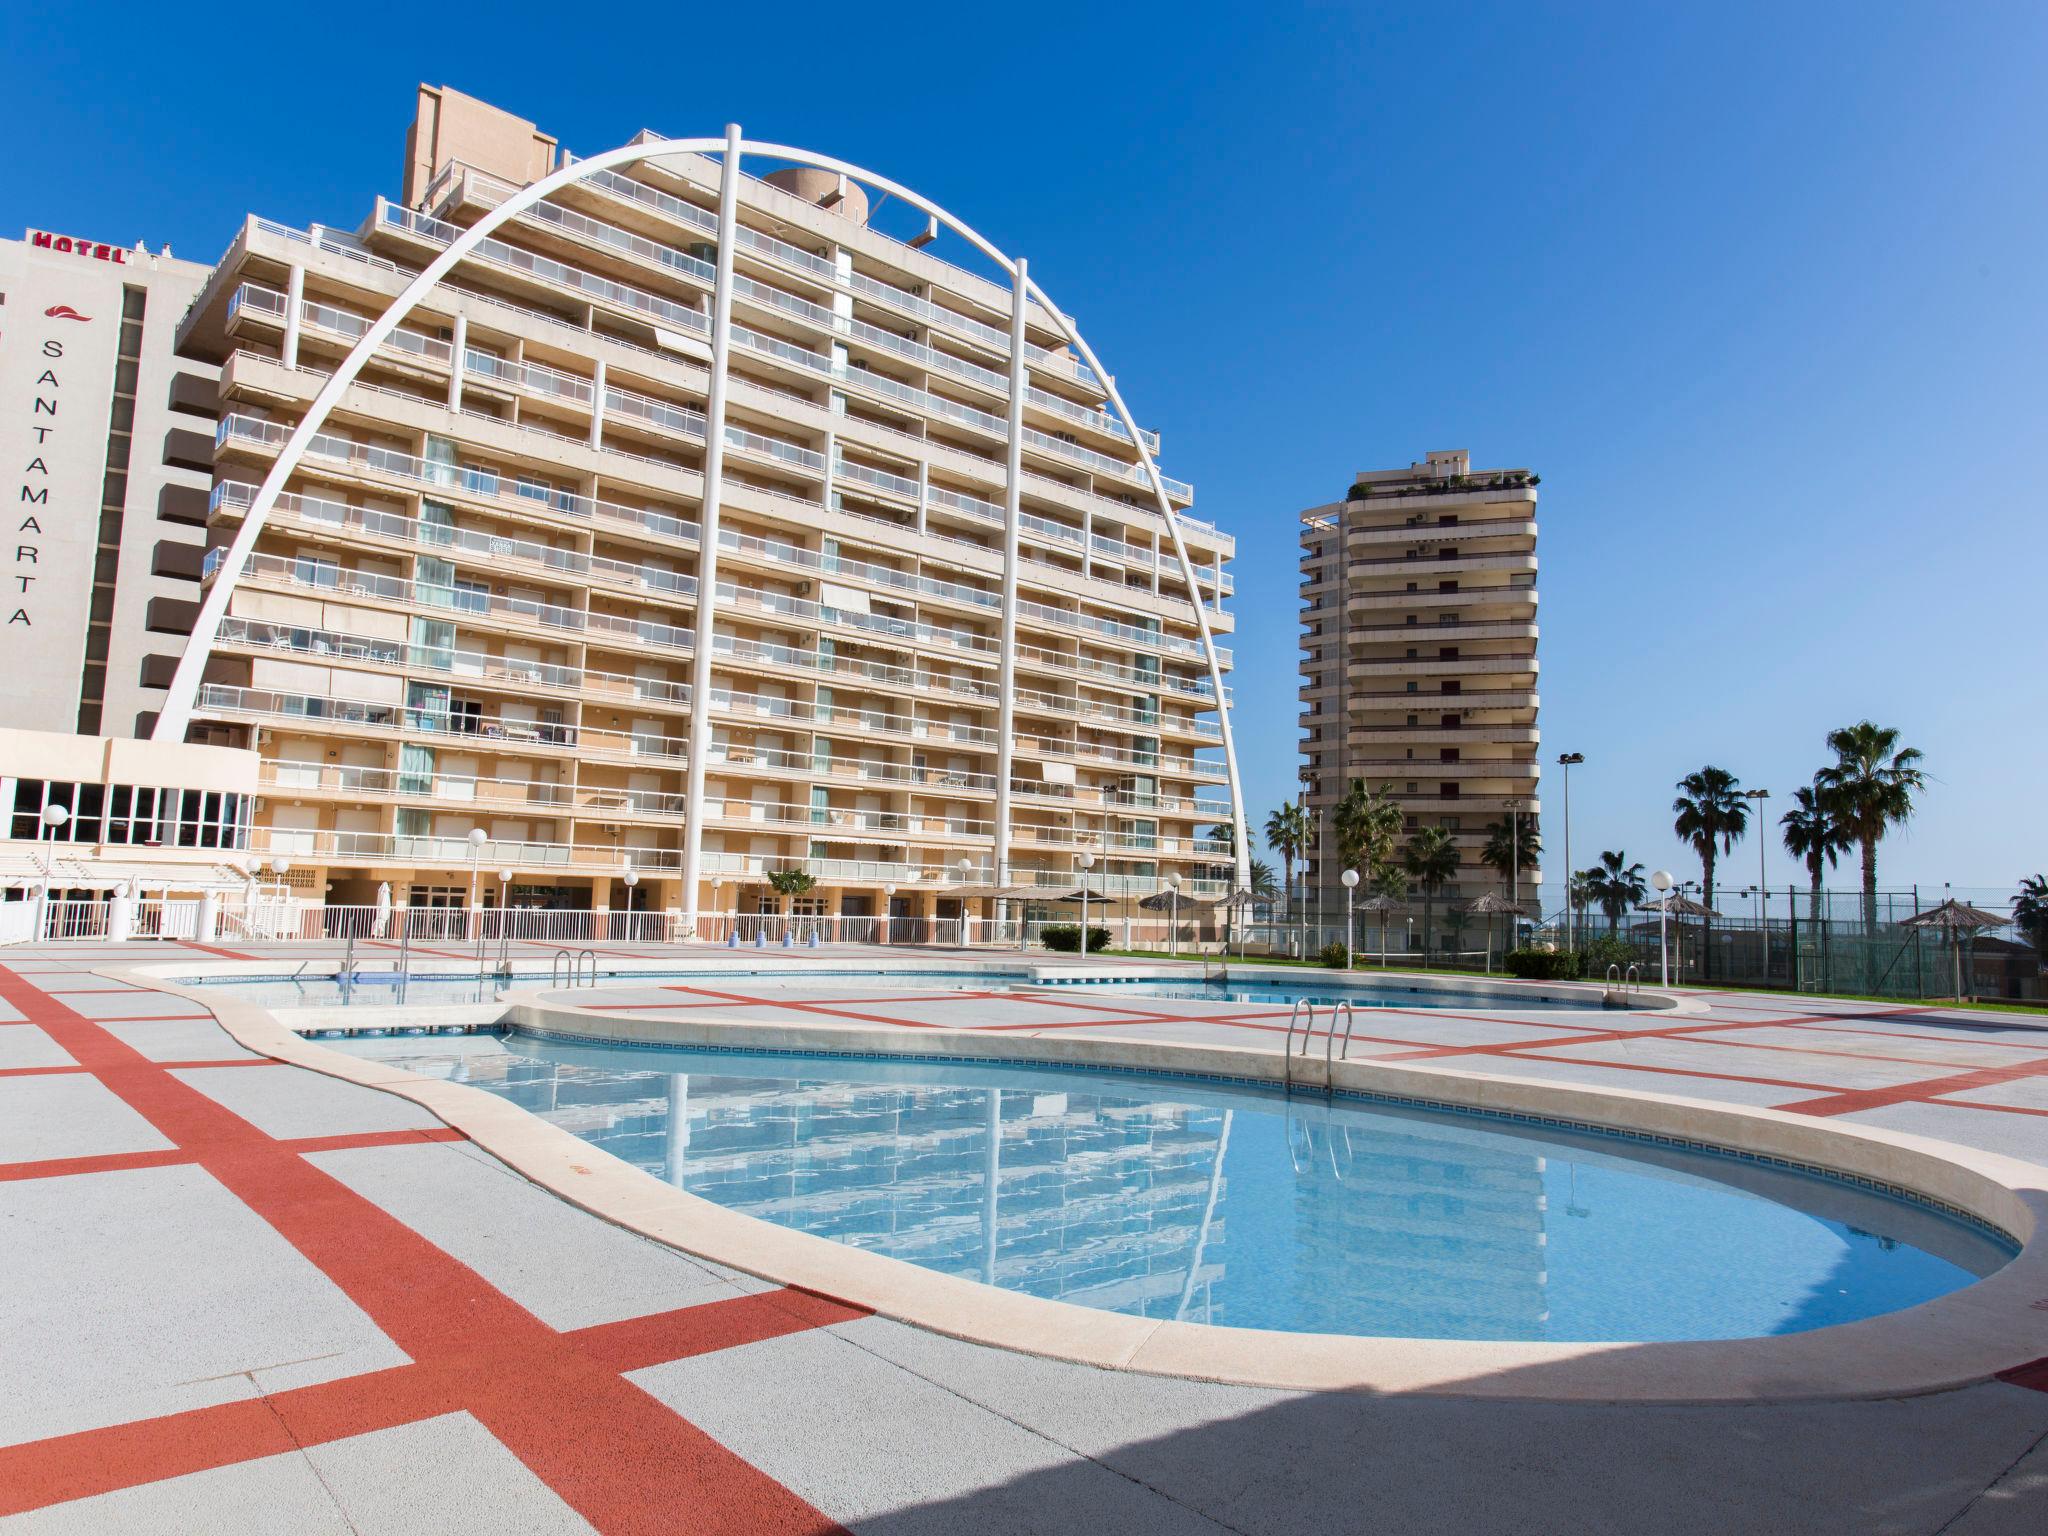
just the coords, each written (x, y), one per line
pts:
(1177, 1198)
(385, 988)
(1284, 991)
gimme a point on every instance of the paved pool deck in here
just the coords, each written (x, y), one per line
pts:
(240, 1296)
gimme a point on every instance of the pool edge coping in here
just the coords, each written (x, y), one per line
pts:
(1967, 1336)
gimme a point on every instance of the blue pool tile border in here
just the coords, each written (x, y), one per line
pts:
(1361, 1095)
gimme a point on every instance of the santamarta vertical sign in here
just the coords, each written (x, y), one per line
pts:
(57, 356)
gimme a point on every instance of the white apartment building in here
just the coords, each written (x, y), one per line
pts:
(484, 600)
(1419, 669)
(107, 439)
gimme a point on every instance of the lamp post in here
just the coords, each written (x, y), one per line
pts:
(966, 869)
(1350, 879)
(1763, 911)
(52, 818)
(1173, 919)
(477, 838)
(1567, 761)
(888, 901)
(1515, 849)
(1087, 862)
(1661, 879)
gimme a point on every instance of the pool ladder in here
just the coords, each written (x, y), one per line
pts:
(574, 961)
(1304, 1014)
(1623, 987)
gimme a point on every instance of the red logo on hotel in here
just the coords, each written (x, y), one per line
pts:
(65, 312)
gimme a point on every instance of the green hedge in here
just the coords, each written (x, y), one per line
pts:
(1543, 964)
(1336, 956)
(1066, 937)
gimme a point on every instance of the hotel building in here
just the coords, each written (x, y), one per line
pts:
(108, 444)
(1419, 670)
(478, 602)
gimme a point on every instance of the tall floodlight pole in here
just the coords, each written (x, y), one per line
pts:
(1661, 879)
(1567, 761)
(1350, 879)
(1757, 797)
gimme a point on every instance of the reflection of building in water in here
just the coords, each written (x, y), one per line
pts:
(1427, 1222)
(1110, 1202)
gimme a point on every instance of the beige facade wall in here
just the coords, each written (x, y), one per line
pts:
(1419, 672)
(451, 126)
(477, 606)
(105, 480)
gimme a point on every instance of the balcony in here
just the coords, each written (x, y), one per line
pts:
(319, 845)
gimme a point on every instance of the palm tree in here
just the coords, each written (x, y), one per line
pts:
(1262, 880)
(1814, 833)
(1512, 844)
(1289, 831)
(1366, 826)
(1578, 895)
(791, 882)
(1870, 788)
(2030, 911)
(1432, 858)
(1615, 885)
(1711, 817)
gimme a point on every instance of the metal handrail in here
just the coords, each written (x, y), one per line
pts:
(1350, 1022)
(555, 967)
(576, 966)
(1287, 1051)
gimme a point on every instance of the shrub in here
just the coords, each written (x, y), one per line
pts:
(1066, 937)
(1336, 956)
(1604, 951)
(1543, 964)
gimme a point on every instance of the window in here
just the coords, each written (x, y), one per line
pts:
(316, 571)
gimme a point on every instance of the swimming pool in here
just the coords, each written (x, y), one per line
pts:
(1362, 992)
(383, 989)
(1179, 1198)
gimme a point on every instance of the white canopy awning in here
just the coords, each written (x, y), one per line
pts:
(72, 872)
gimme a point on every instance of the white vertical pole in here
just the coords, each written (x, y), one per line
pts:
(459, 360)
(1006, 656)
(707, 542)
(294, 301)
(597, 392)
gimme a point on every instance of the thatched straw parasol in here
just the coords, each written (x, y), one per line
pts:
(1486, 906)
(1382, 904)
(1956, 919)
(1678, 905)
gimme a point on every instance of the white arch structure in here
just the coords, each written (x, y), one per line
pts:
(177, 711)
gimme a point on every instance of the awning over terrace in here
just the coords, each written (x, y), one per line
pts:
(20, 870)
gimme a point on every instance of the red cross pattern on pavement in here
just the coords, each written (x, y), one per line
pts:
(559, 1401)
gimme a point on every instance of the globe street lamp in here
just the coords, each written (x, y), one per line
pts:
(52, 818)
(1567, 761)
(1173, 921)
(888, 904)
(1350, 879)
(1661, 879)
(477, 838)
(1087, 862)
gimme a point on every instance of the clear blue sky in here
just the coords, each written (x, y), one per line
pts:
(1758, 290)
